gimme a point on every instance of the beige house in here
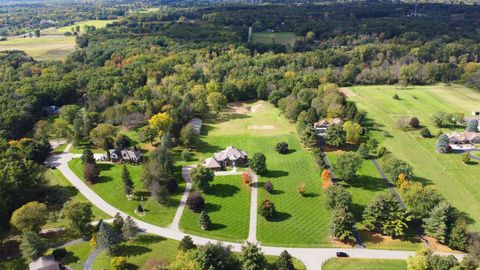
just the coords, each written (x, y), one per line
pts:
(322, 125)
(466, 137)
(230, 157)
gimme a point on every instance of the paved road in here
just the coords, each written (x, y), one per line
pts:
(311, 257)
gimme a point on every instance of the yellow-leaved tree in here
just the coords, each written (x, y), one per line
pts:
(160, 123)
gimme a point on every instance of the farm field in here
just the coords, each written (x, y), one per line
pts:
(227, 202)
(456, 181)
(284, 38)
(42, 48)
(258, 127)
(64, 29)
(110, 188)
(62, 189)
(364, 264)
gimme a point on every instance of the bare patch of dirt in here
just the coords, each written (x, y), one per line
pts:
(256, 107)
(239, 107)
(264, 127)
(437, 246)
(347, 92)
(341, 244)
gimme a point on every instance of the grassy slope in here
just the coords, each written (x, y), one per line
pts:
(58, 181)
(364, 264)
(456, 181)
(77, 254)
(228, 205)
(284, 38)
(62, 30)
(297, 224)
(43, 48)
(110, 188)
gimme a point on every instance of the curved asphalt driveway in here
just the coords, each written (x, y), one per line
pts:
(311, 257)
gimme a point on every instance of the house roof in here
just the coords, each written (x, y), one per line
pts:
(211, 163)
(197, 124)
(323, 123)
(231, 153)
(44, 263)
(464, 136)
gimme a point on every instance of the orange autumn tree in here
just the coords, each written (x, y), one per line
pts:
(326, 175)
(402, 182)
(246, 178)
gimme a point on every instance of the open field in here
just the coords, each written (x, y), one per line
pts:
(63, 30)
(296, 223)
(42, 48)
(456, 181)
(364, 264)
(61, 188)
(284, 38)
(110, 188)
(227, 202)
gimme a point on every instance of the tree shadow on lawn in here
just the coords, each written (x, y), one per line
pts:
(205, 147)
(216, 227)
(371, 125)
(422, 180)
(212, 207)
(70, 258)
(149, 239)
(311, 195)
(367, 183)
(128, 250)
(222, 190)
(273, 192)
(280, 216)
(276, 174)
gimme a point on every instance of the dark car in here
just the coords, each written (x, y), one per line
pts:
(342, 254)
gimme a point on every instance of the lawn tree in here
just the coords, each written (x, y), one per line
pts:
(385, 214)
(87, 157)
(282, 148)
(414, 122)
(437, 224)
(159, 192)
(267, 209)
(466, 158)
(458, 237)
(195, 201)
(201, 177)
(472, 126)
(157, 174)
(420, 200)
(30, 217)
(343, 224)
(127, 181)
(335, 136)
(78, 215)
(338, 197)
(186, 244)
(372, 144)
(258, 163)
(117, 223)
(119, 263)
(393, 167)
(160, 123)
(326, 176)
(425, 133)
(204, 220)
(252, 258)
(363, 151)
(216, 102)
(353, 131)
(284, 261)
(347, 165)
(189, 136)
(268, 186)
(247, 178)
(91, 173)
(32, 246)
(107, 238)
(214, 256)
(129, 229)
(102, 135)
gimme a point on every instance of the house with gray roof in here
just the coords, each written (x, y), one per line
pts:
(123, 156)
(44, 263)
(230, 157)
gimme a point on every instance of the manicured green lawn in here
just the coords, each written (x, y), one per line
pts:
(61, 188)
(43, 48)
(284, 38)
(77, 254)
(364, 264)
(456, 181)
(228, 205)
(84, 145)
(61, 30)
(301, 221)
(140, 250)
(110, 188)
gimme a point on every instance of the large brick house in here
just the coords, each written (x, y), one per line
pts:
(230, 157)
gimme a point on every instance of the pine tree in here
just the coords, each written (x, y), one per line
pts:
(118, 223)
(458, 237)
(87, 157)
(31, 246)
(436, 224)
(129, 229)
(284, 262)
(204, 220)
(127, 181)
(186, 244)
(252, 257)
(107, 237)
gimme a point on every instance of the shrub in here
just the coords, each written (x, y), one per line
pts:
(186, 244)
(396, 97)
(282, 147)
(140, 208)
(204, 220)
(414, 122)
(381, 151)
(301, 189)
(195, 201)
(425, 133)
(119, 263)
(258, 163)
(267, 209)
(442, 145)
(363, 151)
(268, 186)
(246, 178)
(186, 155)
(466, 158)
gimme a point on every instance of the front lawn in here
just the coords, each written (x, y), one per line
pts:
(227, 202)
(258, 127)
(77, 254)
(110, 188)
(364, 264)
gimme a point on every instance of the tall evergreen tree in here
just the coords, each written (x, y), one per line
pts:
(32, 246)
(107, 238)
(284, 261)
(129, 229)
(436, 225)
(127, 181)
(252, 257)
